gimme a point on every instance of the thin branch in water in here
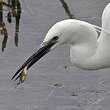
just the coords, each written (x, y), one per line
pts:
(67, 10)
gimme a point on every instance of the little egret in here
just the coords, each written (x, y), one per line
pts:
(87, 51)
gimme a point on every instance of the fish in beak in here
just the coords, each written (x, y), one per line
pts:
(44, 49)
(22, 76)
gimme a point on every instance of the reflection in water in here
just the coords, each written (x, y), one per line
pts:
(67, 10)
(18, 16)
(4, 42)
(5, 33)
(14, 12)
(9, 17)
(1, 13)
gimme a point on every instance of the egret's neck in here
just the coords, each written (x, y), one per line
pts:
(92, 54)
(82, 51)
(81, 55)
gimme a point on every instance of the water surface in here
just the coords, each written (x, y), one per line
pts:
(81, 89)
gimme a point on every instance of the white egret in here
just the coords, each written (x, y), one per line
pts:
(87, 51)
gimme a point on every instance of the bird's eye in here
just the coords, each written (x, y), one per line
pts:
(55, 38)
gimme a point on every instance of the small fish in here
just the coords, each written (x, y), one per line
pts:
(23, 76)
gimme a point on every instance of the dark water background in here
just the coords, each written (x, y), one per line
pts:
(82, 90)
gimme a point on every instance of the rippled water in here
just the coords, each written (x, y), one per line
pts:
(36, 93)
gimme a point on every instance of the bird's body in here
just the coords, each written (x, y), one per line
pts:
(87, 51)
(90, 52)
(95, 54)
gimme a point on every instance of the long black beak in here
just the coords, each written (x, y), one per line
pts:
(34, 58)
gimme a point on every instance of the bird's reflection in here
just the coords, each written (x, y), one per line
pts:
(67, 10)
(14, 12)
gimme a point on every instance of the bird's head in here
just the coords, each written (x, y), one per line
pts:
(59, 34)
(62, 32)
